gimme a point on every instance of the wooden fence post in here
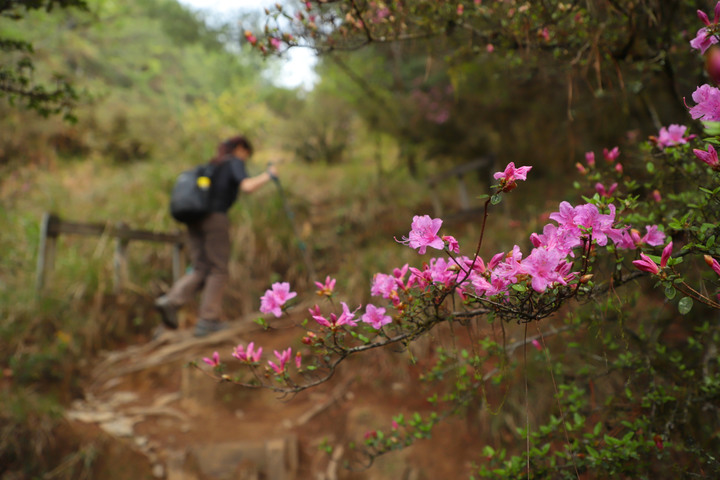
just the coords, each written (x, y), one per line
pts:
(120, 264)
(46, 250)
(463, 192)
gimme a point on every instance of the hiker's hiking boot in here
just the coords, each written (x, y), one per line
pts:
(206, 327)
(168, 312)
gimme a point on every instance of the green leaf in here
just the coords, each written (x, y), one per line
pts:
(495, 199)
(685, 305)
(670, 292)
(712, 128)
(650, 167)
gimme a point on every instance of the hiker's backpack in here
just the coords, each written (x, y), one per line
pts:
(192, 193)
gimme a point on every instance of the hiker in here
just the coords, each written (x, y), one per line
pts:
(209, 240)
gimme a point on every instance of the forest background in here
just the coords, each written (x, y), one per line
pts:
(154, 87)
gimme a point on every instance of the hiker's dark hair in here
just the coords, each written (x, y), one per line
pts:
(226, 147)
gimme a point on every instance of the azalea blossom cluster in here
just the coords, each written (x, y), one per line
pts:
(707, 97)
(251, 356)
(706, 36)
(550, 262)
(275, 300)
(610, 156)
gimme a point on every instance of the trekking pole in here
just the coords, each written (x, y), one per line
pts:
(291, 217)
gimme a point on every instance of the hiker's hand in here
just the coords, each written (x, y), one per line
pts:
(272, 171)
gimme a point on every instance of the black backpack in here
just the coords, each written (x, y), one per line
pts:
(191, 195)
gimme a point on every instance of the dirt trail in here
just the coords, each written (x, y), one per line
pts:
(191, 427)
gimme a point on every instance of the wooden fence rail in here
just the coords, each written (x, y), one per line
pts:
(53, 226)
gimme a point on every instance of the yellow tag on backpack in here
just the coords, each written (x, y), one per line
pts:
(203, 182)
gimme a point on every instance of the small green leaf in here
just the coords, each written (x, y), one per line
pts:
(495, 199)
(670, 292)
(650, 167)
(685, 305)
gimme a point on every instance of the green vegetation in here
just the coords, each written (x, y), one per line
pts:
(152, 88)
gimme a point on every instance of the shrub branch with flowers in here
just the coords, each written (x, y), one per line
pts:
(631, 269)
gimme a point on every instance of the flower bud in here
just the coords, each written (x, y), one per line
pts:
(586, 278)
(708, 260)
(309, 338)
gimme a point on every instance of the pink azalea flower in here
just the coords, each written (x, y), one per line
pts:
(275, 43)
(283, 359)
(600, 188)
(346, 318)
(542, 265)
(315, 310)
(627, 239)
(383, 285)
(298, 360)
(565, 216)
(710, 157)
(508, 270)
(452, 243)
(375, 316)
(423, 234)
(590, 158)
(646, 264)
(383, 13)
(611, 155)
(536, 344)
(672, 135)
(703, 40)
(563, 239)
(248, 354)
(215, 361)
(708, 104)
(327, 288)
(581, 168)
(589, 217)
(545, 34)
(653, 236)
(656, 196)
(510, 175)
(483, 287)
(275, 298)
